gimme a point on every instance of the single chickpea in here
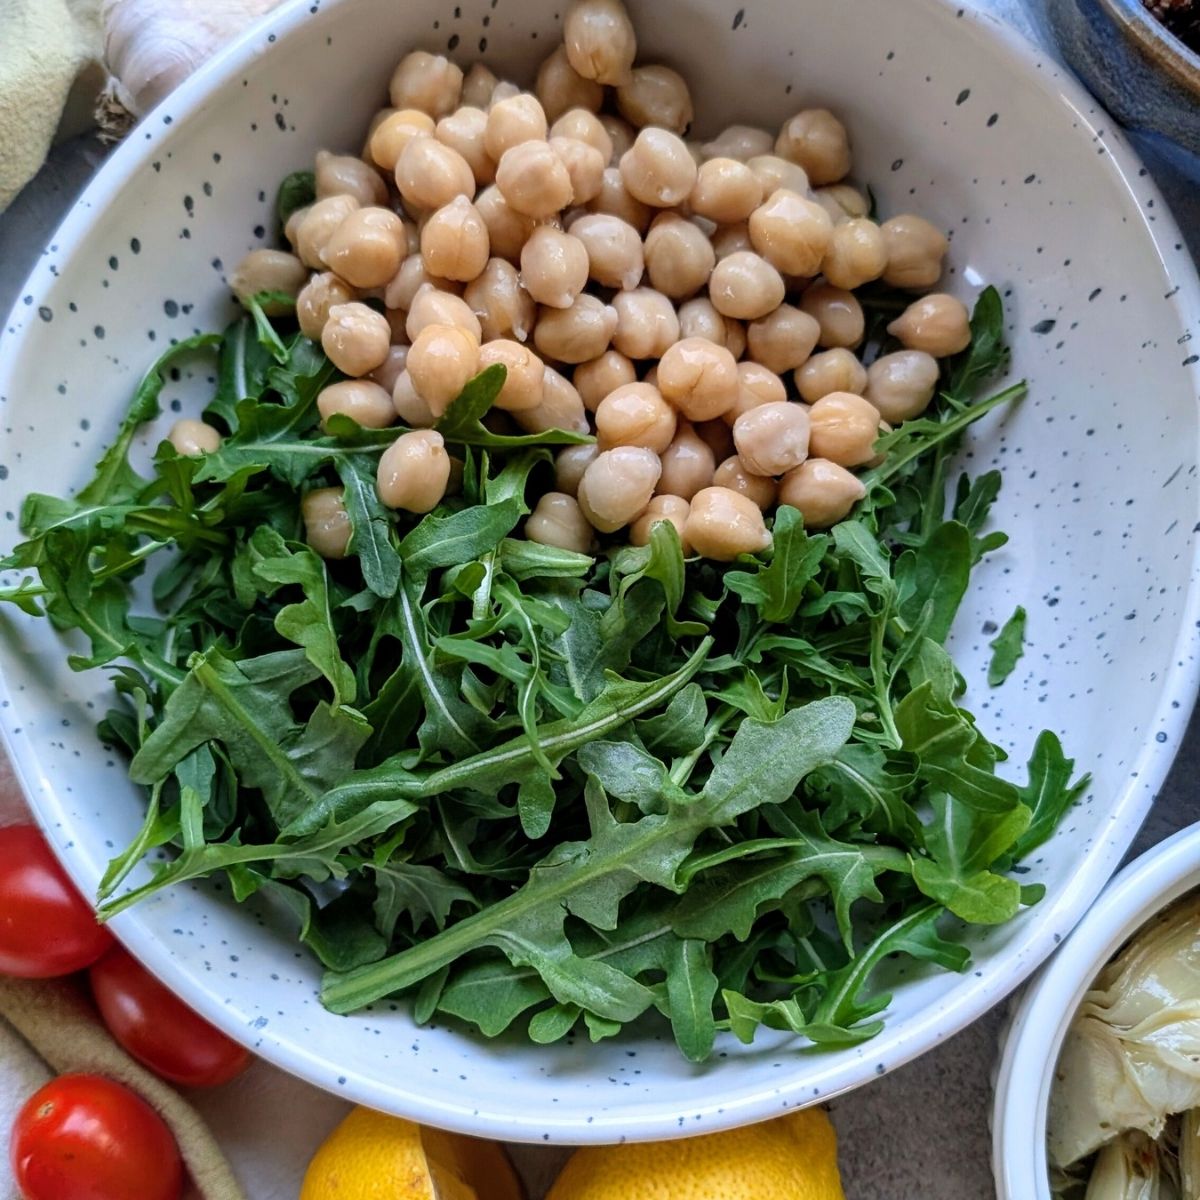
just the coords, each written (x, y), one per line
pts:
(327, 527)
(658, 169)
(938, 323)
(679, 258)
(901, 385)
(835, 370)
(391, 368)
(585, 165)
(723, 523)
(558, 521)
(268, 271)
(615, 200)
(428, 82)
(524, 381)
(735, 337)
(793, 234)
(816, 140)
(561, 407)
(656, 95)
(443, 358)
(647, 323)
(838, 313)
(688, 464)
(570, 464)
(600, 41)
(576, 334)
(291, 227)
(430, 174)
(614, 250)
(388, 139)
(844, 429)
(773, 173)
(501, 305)
(740, 142)
(318, 226)
(366, 403)
(731, 239)
(345, 174)
(192, 438)
(784, 339)
(504, 90)
(744, 285)
(699, 377)
(823, 492)
(915, 251)
(699, 319)
(617, 486)
(534, 180)
(431, 306)
(635, 415)
(772, 438)
(355, 338)
(409, 406)
(726, 191)
(842, 202)
(756, 385)
(759, 489)
(454, 241)
(717, 436)
(583, 125)
(478, 86)
(856, 254)
(463, 132)
(560, 87)
(620, 133)
(598, 377)
(367, 248)
(513, 121)
(508, 230)
(671, 509)
(414, 471)
(401, 290)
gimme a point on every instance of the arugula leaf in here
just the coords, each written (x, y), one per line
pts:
(462, 425)
(296, 190)
(1007, 648)
(778, 587)
(371, 523)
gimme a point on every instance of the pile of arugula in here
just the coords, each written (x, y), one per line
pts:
(507, 779)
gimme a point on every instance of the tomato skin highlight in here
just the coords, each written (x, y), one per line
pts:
(46, 927)
(84, 1137)
(158, 1029)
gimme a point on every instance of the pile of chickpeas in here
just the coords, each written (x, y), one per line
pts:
(690, 304)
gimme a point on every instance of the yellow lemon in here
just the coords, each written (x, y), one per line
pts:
(370, 1156)
(790, 1158)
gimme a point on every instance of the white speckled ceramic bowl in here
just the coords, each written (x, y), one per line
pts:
(951, 116)
(1035, 1036)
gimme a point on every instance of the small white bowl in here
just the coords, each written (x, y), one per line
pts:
(1039, 1025)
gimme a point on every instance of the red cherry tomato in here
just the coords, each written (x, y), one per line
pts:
(158, 1029)
(46, 927)
(84, 1137)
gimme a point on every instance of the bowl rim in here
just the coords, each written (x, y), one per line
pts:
(713, 1110)
(1157, 42)
(1039, 1024)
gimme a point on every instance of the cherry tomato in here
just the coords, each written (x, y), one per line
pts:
(46, 927)
(84, 1137)
(158, 1029)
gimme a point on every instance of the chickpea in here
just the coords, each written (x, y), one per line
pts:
(585, 166)
(856, 254)
(327, 527)
(391, 368)
(614, 249)
(191, 438)
(938, 323)
(730, 239)
(414, 471)
(513, 121)
(746, 286)
(635, 415)
(478, 86)
(915, 250)
(600, 41)
(773, 173)
(501, 305)
(584, 126)
(344, 174)
(726, 191)
(844, 429)
(816, 140)
(561, 407)
(387, 140)
(699, 319)
(441, 361)
(268, 271)
(576, 334)
(430, 174)
(534, 180)
(523, 383)
(291, 227)
(700, 378)
(672, 509)
(598, 377)
(463, 131)
(570, 464)
(793, 234)
(431, 306)
(842, 202)
(823, 492)
(835, 370)
(559, 521)
(656, 95)
(784, 339)
(320, 223)
(615, 200)
(508, 230)
(901, 385)
(428, 82)
(740, 142)
(366, 403)
(732, 474)
(409, 406)
(367, 248)
(723, 523)
(756, 385)
(772, 438)
(717, 436)
(504, 90)
(679, 258)
(658, 169)
(617, 486)
(454, 241)
(560, 87)
(355, 338)
(647, 323)
(620, 133)
(688, 464)
(838, 313)
(402, 288)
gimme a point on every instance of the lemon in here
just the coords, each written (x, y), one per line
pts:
(370, 1156)
(790, 1158)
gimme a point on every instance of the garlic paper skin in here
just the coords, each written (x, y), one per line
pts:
(153, 45)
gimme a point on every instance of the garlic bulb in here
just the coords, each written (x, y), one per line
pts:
(153, 45)
(1132, 1168)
